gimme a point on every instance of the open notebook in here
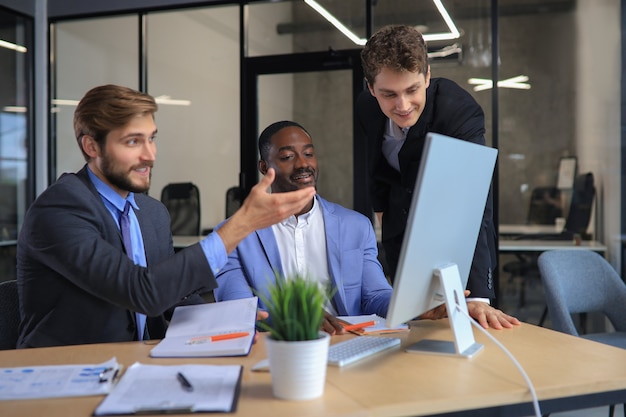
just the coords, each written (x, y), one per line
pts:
(225, 328)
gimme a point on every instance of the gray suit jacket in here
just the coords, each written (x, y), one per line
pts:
(76, 284)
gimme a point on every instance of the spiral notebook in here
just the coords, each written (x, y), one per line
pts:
(225, 328)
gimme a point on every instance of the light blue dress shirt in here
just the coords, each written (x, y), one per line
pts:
(115, 204)
(212, 245)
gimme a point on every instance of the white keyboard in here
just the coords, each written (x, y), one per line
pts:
(344, 353)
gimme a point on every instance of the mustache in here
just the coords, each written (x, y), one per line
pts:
(144, 165)
(303, 171)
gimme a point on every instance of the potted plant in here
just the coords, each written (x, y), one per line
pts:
(297, 349)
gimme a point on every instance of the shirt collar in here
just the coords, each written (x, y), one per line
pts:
(305, 218)
(394, 131)
(109, 194)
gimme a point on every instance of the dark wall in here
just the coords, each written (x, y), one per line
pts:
(26, 7)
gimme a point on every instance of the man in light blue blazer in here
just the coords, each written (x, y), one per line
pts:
(325, 241)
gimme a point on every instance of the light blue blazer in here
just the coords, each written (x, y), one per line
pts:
(357, 275)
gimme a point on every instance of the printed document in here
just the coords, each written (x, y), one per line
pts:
(28, 382)
(156, 389)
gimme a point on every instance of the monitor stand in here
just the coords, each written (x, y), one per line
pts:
(464, 344)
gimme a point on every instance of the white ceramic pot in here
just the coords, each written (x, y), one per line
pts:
(298, 369)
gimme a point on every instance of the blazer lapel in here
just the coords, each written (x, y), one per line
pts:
(333, 253)
(267, 241)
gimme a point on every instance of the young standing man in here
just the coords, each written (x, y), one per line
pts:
(403, 103)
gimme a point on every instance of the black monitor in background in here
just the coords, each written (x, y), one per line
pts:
(440, 238)
(579, 213)
(580, 208)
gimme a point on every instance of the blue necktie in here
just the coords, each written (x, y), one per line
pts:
(125, 228)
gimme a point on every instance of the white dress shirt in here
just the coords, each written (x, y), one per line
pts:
(302, 246)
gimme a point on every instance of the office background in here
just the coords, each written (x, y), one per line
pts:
(195, 55)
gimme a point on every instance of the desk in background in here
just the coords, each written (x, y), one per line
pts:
(526, 229)
(532, 245)
(527, 250)
(181, 242)
(568, 373)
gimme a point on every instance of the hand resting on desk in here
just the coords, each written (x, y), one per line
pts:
(486, 315)
(260, 315)
(332, 325)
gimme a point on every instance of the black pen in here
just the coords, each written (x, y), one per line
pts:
(184, 382)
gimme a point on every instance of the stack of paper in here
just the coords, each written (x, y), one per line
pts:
(373, 324)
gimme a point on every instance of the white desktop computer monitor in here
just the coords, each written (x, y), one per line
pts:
(440, 238)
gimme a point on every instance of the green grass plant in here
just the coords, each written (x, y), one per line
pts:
(296, 308)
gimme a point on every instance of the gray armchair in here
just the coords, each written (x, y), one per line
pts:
(579, 281)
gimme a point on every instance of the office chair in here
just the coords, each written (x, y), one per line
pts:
(579, 281)
(183, 203)
(233, 200)
(9, 315)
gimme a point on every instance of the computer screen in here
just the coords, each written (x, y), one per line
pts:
(444, 220)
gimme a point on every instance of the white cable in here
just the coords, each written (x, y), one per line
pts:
(515, 362)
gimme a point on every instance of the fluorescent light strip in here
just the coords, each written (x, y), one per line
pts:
(519, 82)
(171, 101)
(14, 109)
(160, 100)
(63, 102)
(453, 34)
(15, 47)
(336, 23)
(455, 48)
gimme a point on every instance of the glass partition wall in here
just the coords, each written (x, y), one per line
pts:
(16, 118)
(191, 61)
(557, 73)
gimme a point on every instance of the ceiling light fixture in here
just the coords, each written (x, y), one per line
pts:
(446, 51)
(14, 109)
(335, 22)
(167, 100)
(13, 46)
(63, 102)
(452, 34)
(172, 102)
(519, 82)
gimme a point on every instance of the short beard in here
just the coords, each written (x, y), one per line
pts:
(121, 179)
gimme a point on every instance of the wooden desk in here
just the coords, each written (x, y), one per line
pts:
(567, 372)
(532, 245)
